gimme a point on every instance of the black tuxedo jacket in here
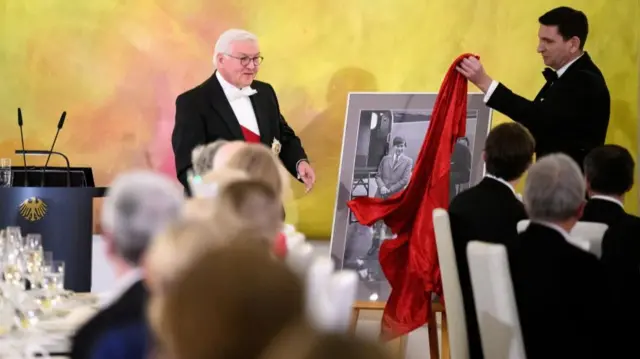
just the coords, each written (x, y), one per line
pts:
(602, 211)
(204, 115)
(570, 115)
(488, 212)
(621, 259)
(560, 292)
(128, 309)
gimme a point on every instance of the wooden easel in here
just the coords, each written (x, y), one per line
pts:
(432, 328)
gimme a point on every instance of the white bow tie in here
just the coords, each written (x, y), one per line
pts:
(240, 93)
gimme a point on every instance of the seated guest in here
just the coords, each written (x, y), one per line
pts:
(558, 287)
(229, 302)
(244, 206)
(490, 210)
(225, 152)
(259, 162)
(609, 172)
(137, 206)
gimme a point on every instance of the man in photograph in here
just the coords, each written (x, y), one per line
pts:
(394, 172)
(570, 114)
(460, 166)
(232, 105)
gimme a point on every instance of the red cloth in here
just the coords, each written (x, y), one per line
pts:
(410, 262)
(249, 135)
(280, 246)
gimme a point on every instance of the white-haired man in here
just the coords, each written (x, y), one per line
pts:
(555, 281)
(138, 205)
(232, 105)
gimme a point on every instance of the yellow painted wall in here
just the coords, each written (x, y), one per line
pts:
(116, 67)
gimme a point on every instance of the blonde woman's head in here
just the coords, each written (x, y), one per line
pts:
(229, 302)
(259, 162)
(251, 205)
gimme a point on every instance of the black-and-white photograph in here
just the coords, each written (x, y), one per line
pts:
(380, 147)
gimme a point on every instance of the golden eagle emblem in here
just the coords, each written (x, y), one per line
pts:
(276, 146)
(33, 209)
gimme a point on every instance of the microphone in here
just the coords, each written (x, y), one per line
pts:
(24, 156)
(60, 124)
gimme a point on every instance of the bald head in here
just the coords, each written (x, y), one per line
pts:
(225, 152)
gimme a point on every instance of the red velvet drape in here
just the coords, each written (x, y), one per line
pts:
(410, 262)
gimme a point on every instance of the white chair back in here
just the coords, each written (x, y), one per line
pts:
(495, 303)
(299, 258)
(584, 235)
(454, 307)
(330, 296)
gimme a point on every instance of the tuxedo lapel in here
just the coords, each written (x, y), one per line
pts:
(219, 103)
(257, 101)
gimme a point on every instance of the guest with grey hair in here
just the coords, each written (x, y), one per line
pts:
(553, 278)
(138, 205)
(202, 156)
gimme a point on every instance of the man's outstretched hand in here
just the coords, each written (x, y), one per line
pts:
(472, 69)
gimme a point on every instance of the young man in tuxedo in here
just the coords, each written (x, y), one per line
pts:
(491, 210)
(609, 172)
(570, 114)
(554, 281)
(232, 105)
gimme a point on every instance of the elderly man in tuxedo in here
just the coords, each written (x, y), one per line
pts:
(232, 105)
(570, 114)
(138, 205)
(553, 278)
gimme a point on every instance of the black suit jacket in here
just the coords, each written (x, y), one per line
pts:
(488, 212)
(569, 116)
(621, 260)
(560, 292)
(204, 115)
(602, 211)
(130, 308)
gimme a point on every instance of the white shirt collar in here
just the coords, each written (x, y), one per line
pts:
(232, 91)
(608, 198)
(503, 182)
(122, 285)
(564, 68)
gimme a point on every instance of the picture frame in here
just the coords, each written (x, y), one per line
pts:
(383, 134)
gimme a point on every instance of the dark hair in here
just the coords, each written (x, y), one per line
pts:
(509, 150)
(609, 170)
(398, 140)
(570, 23)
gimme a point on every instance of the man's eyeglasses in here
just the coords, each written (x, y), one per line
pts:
(245, 60)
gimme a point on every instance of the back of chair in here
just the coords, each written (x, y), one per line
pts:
(495, 303)
(584, 235)
(591, 233)
(454, 308)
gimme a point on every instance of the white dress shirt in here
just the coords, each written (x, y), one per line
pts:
(240, 104)
(560, 72)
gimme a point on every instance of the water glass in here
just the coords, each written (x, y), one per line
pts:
(53, 276)
(6, 178)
